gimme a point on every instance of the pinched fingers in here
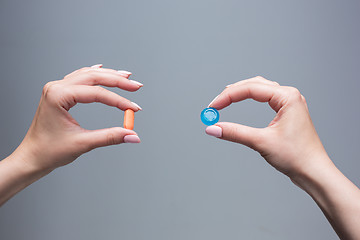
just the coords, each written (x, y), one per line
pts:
(260, 90)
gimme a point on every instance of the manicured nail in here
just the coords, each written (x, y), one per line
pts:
(97, 66)
(213, 100)
(131, 139)
(136, 105)
(124, 73)
(137, 83)
(214, 131)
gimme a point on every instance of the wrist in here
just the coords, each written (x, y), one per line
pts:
(23, 160)
(314, 173)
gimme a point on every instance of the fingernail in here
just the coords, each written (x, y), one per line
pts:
(131, 139)
(214, 131)
(228, 85)
(97, 66)
(136, 105)
(213, 100)
(137, 83)
(124, 73)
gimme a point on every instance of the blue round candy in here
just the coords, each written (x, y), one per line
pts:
(209, 116)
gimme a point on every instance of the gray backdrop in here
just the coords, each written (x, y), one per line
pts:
(178, 183)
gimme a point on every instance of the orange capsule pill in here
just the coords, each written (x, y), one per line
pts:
(129, 117)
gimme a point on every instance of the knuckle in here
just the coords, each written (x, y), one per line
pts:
(46, 87)
(68, 75)
(84, 69)
(76, 72)
(91, 75)
(111, 139)
(293, 93)
(88, 73)
(303, 98)
(276, 83)
(50, 88)
(99, 92)
(231, 133)
(83, 145)
(54, 92)
(260, 78)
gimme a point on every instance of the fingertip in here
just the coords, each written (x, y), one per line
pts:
(139, 84)
(124, 131)
(214, 131)
(131, 139)
(137, 106)
(125, 135)
(132, 88)
(276, 83)
(97, 66)
(128, 105)
(92, 139)
(129, 85)
(220, 101)
(124, 73)
(136, 109)
(212, 102)
(216, 105)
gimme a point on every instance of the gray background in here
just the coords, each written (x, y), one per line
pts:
(178, 183)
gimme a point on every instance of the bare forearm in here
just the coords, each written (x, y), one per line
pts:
(15, 175)
(336, 195)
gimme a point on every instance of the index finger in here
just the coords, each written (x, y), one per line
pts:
(258, 91)
(106, 78)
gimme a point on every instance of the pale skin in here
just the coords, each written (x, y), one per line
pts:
(290, 142)
(55, 138)
(291, 145)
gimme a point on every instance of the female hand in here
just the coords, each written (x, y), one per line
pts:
(290, 142)
(55, 138)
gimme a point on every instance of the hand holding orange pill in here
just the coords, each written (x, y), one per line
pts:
(58, 138)
(55, 138)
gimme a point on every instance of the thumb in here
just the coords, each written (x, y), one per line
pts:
(238, 133)
(92, 139)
